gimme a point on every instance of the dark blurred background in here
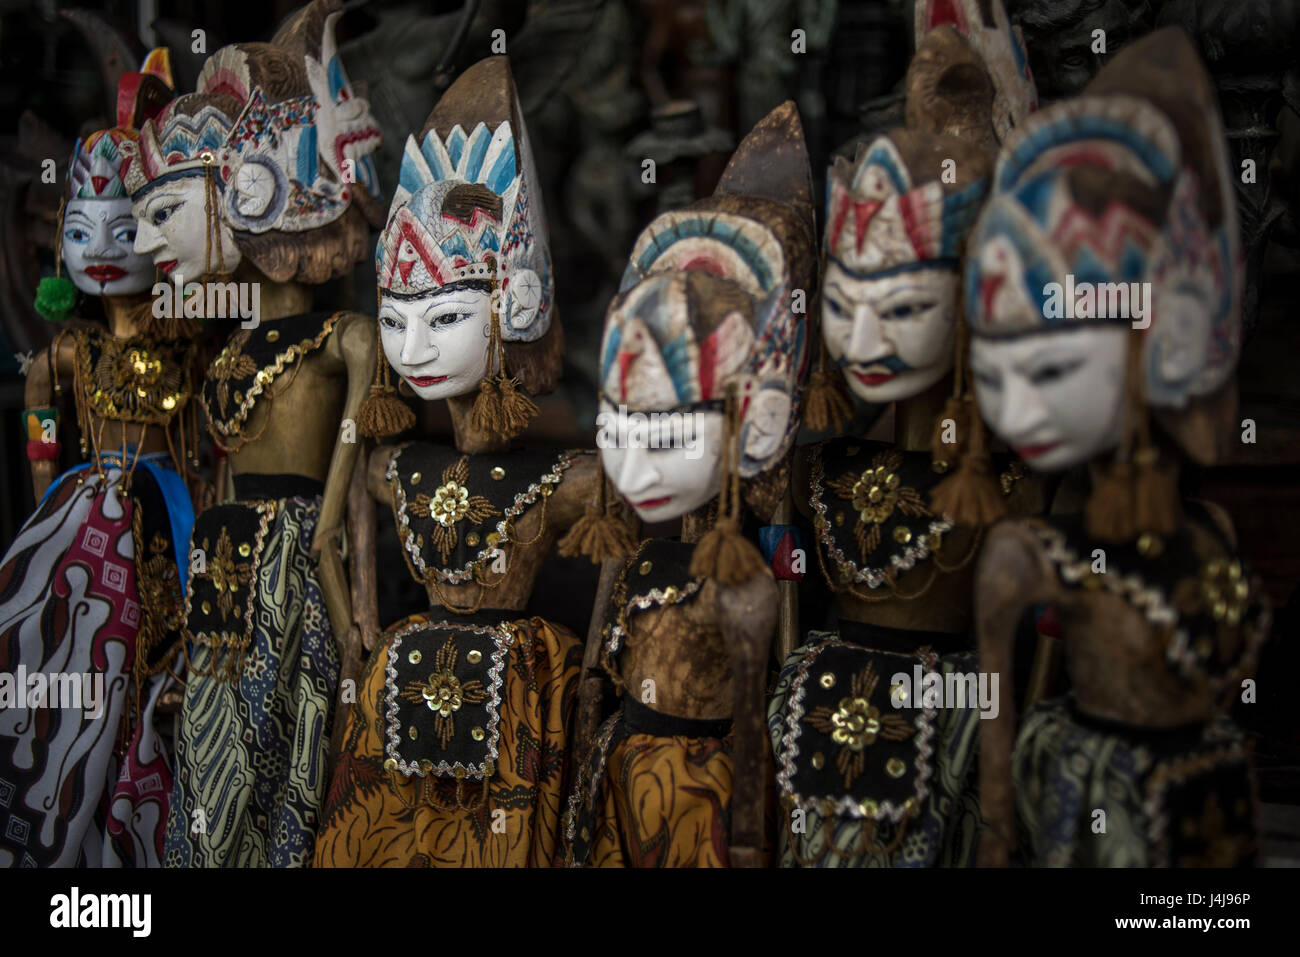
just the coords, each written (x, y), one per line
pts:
(607, 84)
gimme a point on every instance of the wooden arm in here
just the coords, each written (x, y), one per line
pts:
(591, 686)
(1010, 576)
(354, 343)
(38, 393)
(748, 616)
(361, 557)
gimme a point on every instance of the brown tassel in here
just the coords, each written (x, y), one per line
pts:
(383, 414)
(827, 406)
(1109, 513)
(486, 415)
(599, 534)
(501, 408)
(1134, 494)
(971, 496)
(724, 554)
(1156, 508)
(959, 408)
(517, 408)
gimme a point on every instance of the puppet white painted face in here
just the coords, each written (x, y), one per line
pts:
(173, 229)
(892, 335)
(438, 343)
(664, 465)
(1055, 397)
(98, 248)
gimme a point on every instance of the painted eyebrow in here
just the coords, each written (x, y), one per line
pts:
(446, 302)
(1051, 355)
(76, 212)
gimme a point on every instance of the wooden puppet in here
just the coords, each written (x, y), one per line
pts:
(250, 185)
(92, 586)
(703, 361)
(455, 753)
(870, 771)
(1103, 286)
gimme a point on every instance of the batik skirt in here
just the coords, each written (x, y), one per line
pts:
(861, 782)
(455, 751)
(263, 673)
(654, 792)
(1094, 793)
(91, 598)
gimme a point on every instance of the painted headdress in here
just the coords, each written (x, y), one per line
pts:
(99, 164)
(985, 25)
(1128, 183)
(908, 200)
(468, 208)
(270, 162)
(347, 132)
(708, 317)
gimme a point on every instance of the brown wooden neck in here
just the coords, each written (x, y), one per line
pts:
(278, 299)
(468, 438)
(914, 418)
(123, 313)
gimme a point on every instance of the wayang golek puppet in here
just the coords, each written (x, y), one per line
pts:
(705, 345)
(868, 771)
(1123, 196)
(455, 753)
(93, 583)
(259, 180)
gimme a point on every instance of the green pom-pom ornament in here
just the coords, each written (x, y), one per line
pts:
(55, 297)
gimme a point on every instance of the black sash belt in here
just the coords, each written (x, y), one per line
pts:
(902, 640)
(1174, 739)
(272, 487)
(638, 719)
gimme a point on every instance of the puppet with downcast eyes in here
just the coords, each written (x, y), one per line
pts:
(896, 523)
(703, 362)
(94, 580)
(464, 714)
(1103, 286)
(242, 185)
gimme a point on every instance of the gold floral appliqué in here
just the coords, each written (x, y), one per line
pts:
(451, 504)
(232, 363)
(443, 693)
(875, 494)
(226, 574)
(856, 723)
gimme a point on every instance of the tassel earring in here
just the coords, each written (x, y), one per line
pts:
(383, 414)
(600, 534)
(502, 408)
(724, 554)
(55, 295)
(1135, 493)
(970, 496)
(827, 405)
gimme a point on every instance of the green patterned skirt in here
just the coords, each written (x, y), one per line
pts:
(1098, 794)
(259, 695)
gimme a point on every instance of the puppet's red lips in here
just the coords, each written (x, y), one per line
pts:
(105, 273)
(1034, 451)
(875, 378)
(653, 502)
(423, 382)
(167, 265)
